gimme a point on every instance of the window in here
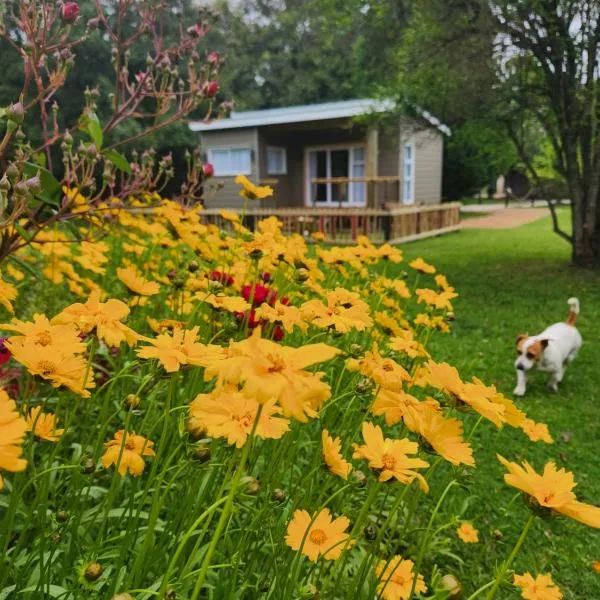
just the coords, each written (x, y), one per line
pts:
(408, 185)
(231, 161)
(276, 161)
(335, 168)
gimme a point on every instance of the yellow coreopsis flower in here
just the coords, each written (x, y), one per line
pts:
(288, 316)
(344, 310)
(8, 293)
(180, 348)
(126, 451)
(390, 253)
(268, 370)
(321, 536)
(540, 588)
(222, 302)
(536, 432)
(12, 433)
(385, 372)
(390, 457)
(230, 414)
(420, 265)
(133, 279)
(54, 365)
(43, 425)
(396, 579)
(250, 191)
(104, 317)
(439, 300)
(333, 457)
(467, 533)
(552, 489)
(406, 343)
(42, 332)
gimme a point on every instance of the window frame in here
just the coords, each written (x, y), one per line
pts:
(231, 172)
(283, 151)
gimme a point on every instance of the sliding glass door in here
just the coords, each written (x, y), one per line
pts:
(330, 176)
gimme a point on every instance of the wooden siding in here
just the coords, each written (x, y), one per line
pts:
(429, 145)
(229, 195)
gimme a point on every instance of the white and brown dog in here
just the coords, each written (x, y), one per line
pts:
(551, 351)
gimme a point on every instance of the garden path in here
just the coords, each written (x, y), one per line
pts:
(505, 218)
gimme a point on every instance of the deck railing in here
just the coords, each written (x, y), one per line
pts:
(344, 225)
(374, 190)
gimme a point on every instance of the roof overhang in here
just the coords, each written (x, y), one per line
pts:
(306, 114)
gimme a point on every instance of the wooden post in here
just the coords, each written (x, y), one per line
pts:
(371, 159)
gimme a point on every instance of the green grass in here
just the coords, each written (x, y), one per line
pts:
(511, 282)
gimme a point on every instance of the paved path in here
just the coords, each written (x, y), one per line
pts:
(505, 218)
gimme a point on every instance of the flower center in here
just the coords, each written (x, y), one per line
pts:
(245, 419)
(317, 536)
(389, 462)
(43, 338)
(277, 363)
(130, 444)
(46, 367)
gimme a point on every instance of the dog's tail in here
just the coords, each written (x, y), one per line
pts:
(573, 312)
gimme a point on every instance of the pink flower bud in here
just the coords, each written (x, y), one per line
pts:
(210, 89)
(69, 12)
(197, 30)
(208, 170)
(214, 58)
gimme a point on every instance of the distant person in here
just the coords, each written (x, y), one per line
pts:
(508, 195)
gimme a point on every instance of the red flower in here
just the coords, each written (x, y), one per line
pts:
(208, 170)
(214, 58)
(266, 277)
(69, 12)
(4, 352)
(259, 294)
(223, 278)
(210, 89)
(278, 334)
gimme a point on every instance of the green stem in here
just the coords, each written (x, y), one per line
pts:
(509, 560)
(226, 513)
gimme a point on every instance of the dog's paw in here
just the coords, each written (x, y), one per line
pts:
(553, 386)
(519, 391)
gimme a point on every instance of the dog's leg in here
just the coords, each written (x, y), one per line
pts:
(555, 378)
(521, 383)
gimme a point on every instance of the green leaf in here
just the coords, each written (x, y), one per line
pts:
(90, 124)
(54, 591)
(40, 159)
(22, 232)
(23, 265)
(118, 160)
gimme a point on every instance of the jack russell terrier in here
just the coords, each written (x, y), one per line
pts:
(551, 351)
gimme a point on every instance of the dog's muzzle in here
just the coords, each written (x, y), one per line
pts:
(521, 367)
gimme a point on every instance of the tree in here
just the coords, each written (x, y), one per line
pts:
(549, 64)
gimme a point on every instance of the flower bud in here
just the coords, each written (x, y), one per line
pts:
(208, 170)
(4, 183)
(193, 266)
(251, 485)
(279, 495)
(93, 571)
(34, 184)
(12, 172)
(132, 401)
(88, 467)
(358, 476)
(62, 516)
(370, 532)
(16, 113)
(210, 89)
(69, 12)
(451, 585)
(123, 596)
(201, 454)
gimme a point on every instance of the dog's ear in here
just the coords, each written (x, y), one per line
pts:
(521, 339)
(544, 343)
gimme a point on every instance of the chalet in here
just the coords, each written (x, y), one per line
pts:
(348, 154)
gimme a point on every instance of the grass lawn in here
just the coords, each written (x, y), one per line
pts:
(511, 282)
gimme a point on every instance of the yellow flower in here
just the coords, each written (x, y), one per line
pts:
(230, 414)
(536, 432)
(8, 293)
(390, 457)
(390, 253)
(318, 236)
(540, 588)
(229, 215)
(132, 278)
(596, 566)
(269, 370)
(12, 433)
(405, 342)
(318, 536)
(251, 191)
(222, 302)
(333, 457)
(552, 489)
(126, 451)
(104, 317)
(43, 333)
(420, 265)
(288, 316)
(467, 533)
(43, 425)
(442, 282)
(439, 300)
(396, 579)
(180, 348)
(385, 372)
(344, 311)
(55, 365)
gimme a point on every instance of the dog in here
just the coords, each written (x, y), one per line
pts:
(550, 351)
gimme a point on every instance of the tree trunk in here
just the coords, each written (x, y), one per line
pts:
(586, 236)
